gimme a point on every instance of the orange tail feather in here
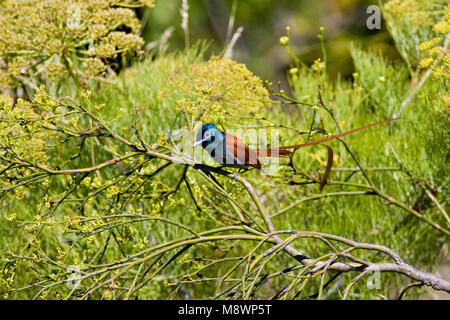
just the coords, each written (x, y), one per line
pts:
(282, 151)
(272, 152)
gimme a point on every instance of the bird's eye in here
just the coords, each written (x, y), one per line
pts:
(207, 135)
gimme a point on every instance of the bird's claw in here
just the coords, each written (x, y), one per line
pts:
(236, 175)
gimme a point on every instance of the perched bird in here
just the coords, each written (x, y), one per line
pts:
(229, 151)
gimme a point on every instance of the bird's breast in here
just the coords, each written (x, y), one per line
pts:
(222, 155)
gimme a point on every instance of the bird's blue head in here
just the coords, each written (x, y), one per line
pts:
(208, 134)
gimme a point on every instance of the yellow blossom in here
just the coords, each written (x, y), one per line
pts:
(284, 41)
(442, 27)
(429, 44)
(318, 65)
(446, 58)
(426, 62)
(436, 50)
(220, 89)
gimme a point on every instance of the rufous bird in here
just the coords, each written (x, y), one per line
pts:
(229, 151)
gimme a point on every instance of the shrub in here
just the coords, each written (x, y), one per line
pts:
(101, 200)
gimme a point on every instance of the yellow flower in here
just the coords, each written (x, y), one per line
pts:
(94, 66)
(436, 50)
(123, 40)
(429, 44)
(86, 94)
(446, 58)
(98, 31)
(318, 65)
(442, 27)
(220, 89)
(54, 68)
(426, 62)
(284, 41)
(105, 50)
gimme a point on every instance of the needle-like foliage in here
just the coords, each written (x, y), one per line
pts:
(102, 196)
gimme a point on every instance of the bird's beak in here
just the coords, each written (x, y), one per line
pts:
(197, 143)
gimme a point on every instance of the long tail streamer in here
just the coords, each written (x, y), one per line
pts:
(283, 151)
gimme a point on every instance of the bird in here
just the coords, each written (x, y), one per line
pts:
(229, 151)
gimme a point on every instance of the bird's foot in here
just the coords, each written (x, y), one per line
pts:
(236, 175)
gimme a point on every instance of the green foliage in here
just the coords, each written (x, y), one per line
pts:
(95, 182)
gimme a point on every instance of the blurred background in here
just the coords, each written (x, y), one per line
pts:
(264, 22)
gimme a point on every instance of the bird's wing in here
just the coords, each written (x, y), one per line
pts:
(241, 151)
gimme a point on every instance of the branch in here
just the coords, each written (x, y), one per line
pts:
(399, 266)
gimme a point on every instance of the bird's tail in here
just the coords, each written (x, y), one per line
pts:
(272, 152)
(283, 151)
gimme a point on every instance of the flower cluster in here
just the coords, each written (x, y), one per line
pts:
(318, 65)
(433, 49)
(43, 39)
(417, 26)
(20, 133)
(221, 89)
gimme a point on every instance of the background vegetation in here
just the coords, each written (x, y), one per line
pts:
(101, 198)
